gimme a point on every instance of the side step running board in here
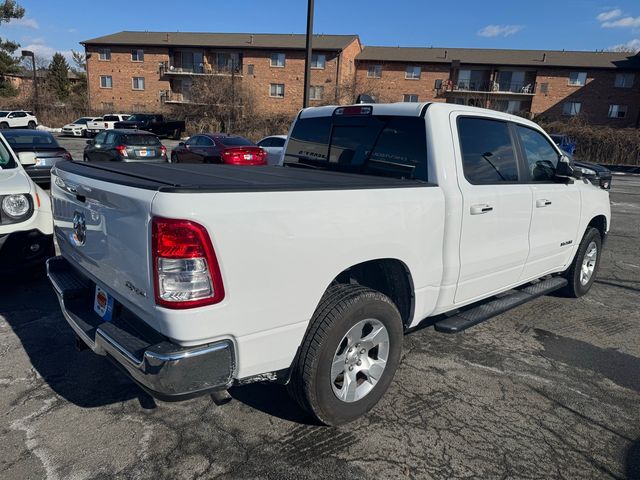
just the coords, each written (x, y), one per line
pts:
(468, 318)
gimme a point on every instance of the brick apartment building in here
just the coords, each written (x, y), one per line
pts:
(602, 87)
(142, 71)
(133, 71)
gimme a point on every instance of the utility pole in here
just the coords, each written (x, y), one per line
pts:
(307, 60)
(29, 53)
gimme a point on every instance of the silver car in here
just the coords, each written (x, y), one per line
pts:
(274, 145)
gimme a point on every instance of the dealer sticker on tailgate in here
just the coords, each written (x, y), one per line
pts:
(103, 304)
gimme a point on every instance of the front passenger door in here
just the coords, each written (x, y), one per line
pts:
(556, 206)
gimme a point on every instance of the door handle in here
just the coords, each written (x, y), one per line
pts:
(542, 202)
(481, 209)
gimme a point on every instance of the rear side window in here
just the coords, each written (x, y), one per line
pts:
(111, 118)
(389, 146)
(542, 158)
(141, 140)
(488, 155)
(277, 142)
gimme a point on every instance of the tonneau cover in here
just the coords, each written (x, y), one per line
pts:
(227, 178)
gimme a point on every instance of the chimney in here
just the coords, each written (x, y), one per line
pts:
(251, 40)
(445, 53)
(544, 57)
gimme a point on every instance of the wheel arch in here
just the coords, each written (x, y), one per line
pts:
(599, 222)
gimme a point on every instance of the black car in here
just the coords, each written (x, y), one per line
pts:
(125, 146)
(155, 123)
(597, 174)
(37, 151)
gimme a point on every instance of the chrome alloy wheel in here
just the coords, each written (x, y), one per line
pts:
(360, 360)
(589, 263)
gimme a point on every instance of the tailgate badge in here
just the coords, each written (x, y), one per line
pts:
(79, 235)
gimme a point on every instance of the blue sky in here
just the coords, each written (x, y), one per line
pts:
(59, 25)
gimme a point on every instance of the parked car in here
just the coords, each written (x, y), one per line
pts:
(17, 119)
(125, 146)
(106, 122)
(154, 123)
(308, 274)
(37, 151)
(219, 148)
(565, 143)
(596, 174)
(26, 226)
(78, 128)
(274, 145)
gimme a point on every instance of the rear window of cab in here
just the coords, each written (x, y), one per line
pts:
(388, 146)
(138, 139)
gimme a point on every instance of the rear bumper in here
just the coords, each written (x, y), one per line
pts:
(24, 250)
(165, 370)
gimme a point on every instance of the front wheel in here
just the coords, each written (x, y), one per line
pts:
(349, 356)
(4, 126)
(582, 272)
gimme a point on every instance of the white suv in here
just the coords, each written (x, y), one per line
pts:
(17, 119)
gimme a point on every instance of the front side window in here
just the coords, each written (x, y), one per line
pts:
(542, 158)
(571, 108)
(137, 55)
(617, 111)
(624, 80)
(412, 72)
(374, 71)
(277, 59)
(410, 97)
(276, 90)
(316, 93)
(578, 79)
(6, 160)
(104, 54)
(318, 61)
(488, 155)
(387, 146)
(106, 81)
(100, 138)
(138, 83)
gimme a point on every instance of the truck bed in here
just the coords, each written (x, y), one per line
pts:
(193, 178)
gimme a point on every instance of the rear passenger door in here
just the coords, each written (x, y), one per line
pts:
(497, 204)
(556, 205)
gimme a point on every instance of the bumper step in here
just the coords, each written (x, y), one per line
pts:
(468, 318)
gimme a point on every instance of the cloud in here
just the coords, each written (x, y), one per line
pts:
(499, 30)
(630, 46)
(40, 49)
(24, 22)
(625, 22)
(610, 15)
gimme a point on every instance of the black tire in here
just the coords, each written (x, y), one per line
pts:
(576, 288)
(32, 125)
(4, 126)
(341, 308)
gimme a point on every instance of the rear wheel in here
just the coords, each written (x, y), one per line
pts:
(174, 158)
(4, 126)
(349, 355)
(582, 272)
(31, 125)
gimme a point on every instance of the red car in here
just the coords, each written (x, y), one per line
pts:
(219, 148)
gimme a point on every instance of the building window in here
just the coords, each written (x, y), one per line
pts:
(624, 80)
(104, 54)
(137, 55)
(250, 69)
(617, 111)
(544, 88)
(106, 81)
(410, 97)
(578, 79)
(277, 59)
(374, 71)
(138, 83)
(412, 72)
(318, 61)
(316, 93)
(228, 62)
(508, 106)
(276, 90)
(571, 108)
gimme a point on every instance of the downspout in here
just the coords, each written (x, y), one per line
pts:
(86, 68)
(338, 77)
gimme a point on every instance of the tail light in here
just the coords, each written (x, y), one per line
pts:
(163, 151)
(186, 271)
(106, 125)
(122, 150)
(66, 155)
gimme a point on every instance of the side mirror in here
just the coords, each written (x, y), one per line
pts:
(565, 167)
(27, 158)
(90, 142)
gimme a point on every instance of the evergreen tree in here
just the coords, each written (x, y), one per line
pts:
(8, 62)
(58, 76)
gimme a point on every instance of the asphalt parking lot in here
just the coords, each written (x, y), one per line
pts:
(548, 390)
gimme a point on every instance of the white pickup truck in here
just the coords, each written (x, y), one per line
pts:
(106, 122)
(195, 278)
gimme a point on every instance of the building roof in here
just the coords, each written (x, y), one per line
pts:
(483, 56)
(230, 40)
(40, 73)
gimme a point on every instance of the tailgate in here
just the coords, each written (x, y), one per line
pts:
(103, 227)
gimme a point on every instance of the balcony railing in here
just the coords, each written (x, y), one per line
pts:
(169, 96)
(202, 69)
(518, 88)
